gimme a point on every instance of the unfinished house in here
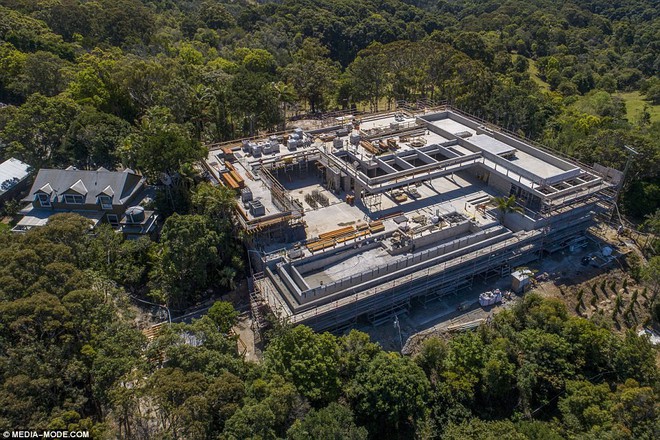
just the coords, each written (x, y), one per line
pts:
(360, 221)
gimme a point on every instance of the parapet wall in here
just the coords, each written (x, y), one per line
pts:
(376, 275)
(442, 234)
(328, 258)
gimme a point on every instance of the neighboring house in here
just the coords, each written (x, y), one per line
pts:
(101, 196)
(13, 178)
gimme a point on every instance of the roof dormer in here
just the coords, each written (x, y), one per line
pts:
(104, 198)
(79, 187)
(107, 191)
(46, 189)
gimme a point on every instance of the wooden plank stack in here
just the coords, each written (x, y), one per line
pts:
(342, 235)
(231, 177)
(376, 226)
(371, 148)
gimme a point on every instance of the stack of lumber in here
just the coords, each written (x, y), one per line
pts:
(228, 152)
(320, 245)
(356, 234)
(341, 235)
(376, 226)
(336, 233)
(232, 178)
(230, 181)
(367, 145)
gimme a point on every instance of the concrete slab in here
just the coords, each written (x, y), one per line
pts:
(535, 165)
(351, 266)
(453, 126)
(330, 218)
(490, 144)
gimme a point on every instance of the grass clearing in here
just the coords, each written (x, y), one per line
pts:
(534, 74)
(635, 104)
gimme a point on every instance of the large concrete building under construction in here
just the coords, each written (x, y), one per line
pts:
(361, 219)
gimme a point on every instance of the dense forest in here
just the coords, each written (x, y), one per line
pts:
(147, 83)
(72, 359)
(98, 83)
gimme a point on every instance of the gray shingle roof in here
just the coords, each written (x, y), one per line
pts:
(120, 185)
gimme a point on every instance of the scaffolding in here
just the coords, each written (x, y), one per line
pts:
(256, 304)
(435, 281)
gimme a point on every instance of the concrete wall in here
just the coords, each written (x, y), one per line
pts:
(333, 181)
(518, 222)
(286, 278)
(441, 234)
(346, 182)
(298, 279)
(498, 182)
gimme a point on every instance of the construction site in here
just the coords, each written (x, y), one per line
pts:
(367, 217)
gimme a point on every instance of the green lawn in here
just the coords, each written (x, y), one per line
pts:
(534, 73)
(635, 104)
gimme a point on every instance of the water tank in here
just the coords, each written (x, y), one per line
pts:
(607, 251)
(135, 214)
(355, 138)
(337, 143)
(292, 144)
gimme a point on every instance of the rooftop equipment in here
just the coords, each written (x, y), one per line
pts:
(246, 195)
(257, 208)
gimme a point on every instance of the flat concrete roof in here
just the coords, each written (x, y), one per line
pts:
(490, 144)
(536, 166)
(351, 266)
(452, 126)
